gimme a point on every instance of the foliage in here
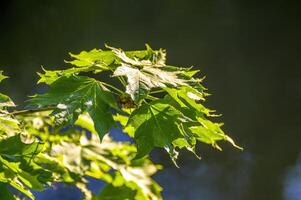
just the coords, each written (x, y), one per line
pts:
(63, 134)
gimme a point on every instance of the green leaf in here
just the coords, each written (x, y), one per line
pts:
(2, 77)
(5, 101)
(50, 76)
(156, 125)
(5, 194)
(19, 157)
(97, 61)
(209, 132)
(14, 148)
(93, 61)
(14, 171)
(141, 58)
(89, 157)
(140, 81)
(157, 57)
(56, 167)
(95, 57)
(175, 121)
(123, 120)
(75, 95)
(18, 185)
(187, 100)
(72, 160)
(109, 192)
(8, 125)
(146, 72)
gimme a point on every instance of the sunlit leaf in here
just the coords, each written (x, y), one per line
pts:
(156, 125)
(15, 149)
(209, 132)
(2, 77)
(141, 81)
(8, 125)
(75, 95)
(110, 192)
(95, 57)
(5, 101)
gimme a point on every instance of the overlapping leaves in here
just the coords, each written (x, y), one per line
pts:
(68, 157)
(178, 120)
(17, 166)
(174, 123)
(8, 125)
(28, 164)
(74, 155)
(94, 61)
(74, 95)
(158, 105)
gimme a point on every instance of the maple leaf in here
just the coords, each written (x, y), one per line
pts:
(177, 120)
(149, 57)
(210, 132)
(141, 81)
(75, 95)
(156, 125)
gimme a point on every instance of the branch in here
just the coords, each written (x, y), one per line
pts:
(25, 112)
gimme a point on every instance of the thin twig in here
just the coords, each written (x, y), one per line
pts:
(157, 91)
(25, 112)
(151, 97)
(111, 86)
(121, 79)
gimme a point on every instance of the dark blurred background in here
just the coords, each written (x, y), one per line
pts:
(249, 51)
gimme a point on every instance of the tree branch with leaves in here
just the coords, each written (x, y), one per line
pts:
(63, 134)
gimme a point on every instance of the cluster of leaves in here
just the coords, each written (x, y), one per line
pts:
(35, 153)
(156, 104)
